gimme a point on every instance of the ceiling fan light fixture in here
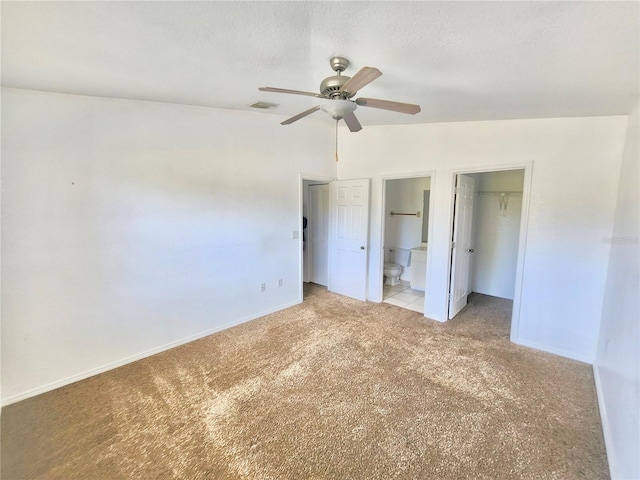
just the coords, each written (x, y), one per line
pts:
(339, 89)
(337, 109)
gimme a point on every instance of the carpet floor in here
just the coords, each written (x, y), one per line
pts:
(332, 388)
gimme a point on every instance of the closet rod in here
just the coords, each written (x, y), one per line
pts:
(499, 193)
(417, 214)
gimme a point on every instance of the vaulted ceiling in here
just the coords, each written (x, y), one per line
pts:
(458, 60)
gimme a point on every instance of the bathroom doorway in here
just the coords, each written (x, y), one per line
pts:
(405, 226)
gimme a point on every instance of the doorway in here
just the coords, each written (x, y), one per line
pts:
(314, 232)
(487, 228)
(334, 245)
(406, 208)
(315, 238)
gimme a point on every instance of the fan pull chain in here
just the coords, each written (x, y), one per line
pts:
(337, 140)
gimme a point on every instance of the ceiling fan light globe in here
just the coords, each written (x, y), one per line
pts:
(337, 109)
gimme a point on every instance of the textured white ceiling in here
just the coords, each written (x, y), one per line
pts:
(458, 60)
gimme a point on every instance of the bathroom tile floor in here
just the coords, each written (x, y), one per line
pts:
(404, 296)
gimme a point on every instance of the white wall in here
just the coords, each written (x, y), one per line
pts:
(617, 363)
(495, 233)
(405, 195)
(129, 227)
(574, 165)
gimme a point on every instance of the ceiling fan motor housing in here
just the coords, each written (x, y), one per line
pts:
(330, 87)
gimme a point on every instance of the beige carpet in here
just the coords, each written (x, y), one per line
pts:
(330, 389)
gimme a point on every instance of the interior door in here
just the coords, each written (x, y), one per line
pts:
(348, 235)
(318, 240)
(462, 248)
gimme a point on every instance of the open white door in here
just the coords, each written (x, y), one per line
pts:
(461, 255)
(348, 234)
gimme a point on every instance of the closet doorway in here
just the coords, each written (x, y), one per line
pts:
(487, 223)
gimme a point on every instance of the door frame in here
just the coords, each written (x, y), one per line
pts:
(383, 198)
(522, 233)
(302, 177)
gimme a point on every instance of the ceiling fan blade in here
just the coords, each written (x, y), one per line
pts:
(388, 105)
(352, 122)
(295, 92)
(300, 115)
(365, 76)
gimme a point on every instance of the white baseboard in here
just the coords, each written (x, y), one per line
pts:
(604, 419)
(556, 351)
(133, 358)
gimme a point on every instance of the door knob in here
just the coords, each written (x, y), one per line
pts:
(362, 247)
(471, 250)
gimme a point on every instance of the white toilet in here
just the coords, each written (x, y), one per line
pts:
(398, 259)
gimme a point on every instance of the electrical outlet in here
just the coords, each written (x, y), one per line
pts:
(263, 287)
(280, 282)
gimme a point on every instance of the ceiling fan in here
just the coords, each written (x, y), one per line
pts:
(338, 90)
